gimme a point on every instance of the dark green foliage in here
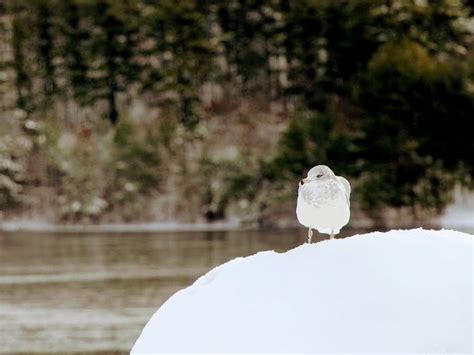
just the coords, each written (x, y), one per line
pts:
(311, 139)
(404, 94)
(251, 32)
(181, 42)
(293, 156)
(73, 49)
(46, 47)
(410, 112)
(20, 65)
(112, 49)
(137, 158)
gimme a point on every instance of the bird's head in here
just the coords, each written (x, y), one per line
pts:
(318, 173)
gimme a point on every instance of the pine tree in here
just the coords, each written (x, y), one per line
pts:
(44, 19)
(111, 50)
(20, 64)
(74, 38)
(182, 55)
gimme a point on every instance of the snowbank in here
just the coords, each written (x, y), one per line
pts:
(401, 291)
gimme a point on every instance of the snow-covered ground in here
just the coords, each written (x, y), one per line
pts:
(400, 291)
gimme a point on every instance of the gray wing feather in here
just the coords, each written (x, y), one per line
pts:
(347, 188)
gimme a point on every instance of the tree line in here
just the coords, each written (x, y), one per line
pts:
(381, 90)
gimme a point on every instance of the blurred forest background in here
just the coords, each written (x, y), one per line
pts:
(201, 111)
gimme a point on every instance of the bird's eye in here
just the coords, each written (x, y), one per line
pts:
(301, 182)
(319, 175)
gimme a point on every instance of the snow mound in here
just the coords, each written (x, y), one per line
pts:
(400, 291)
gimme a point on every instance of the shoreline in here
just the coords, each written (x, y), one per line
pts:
(119, 228)
(13, 227)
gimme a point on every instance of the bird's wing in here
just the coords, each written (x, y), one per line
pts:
(310, 196)
(347, 187)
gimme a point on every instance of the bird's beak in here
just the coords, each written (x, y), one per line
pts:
(303, 181)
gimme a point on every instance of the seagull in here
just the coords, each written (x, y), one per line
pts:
(323, 201)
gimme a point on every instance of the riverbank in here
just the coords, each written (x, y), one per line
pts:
(122, 228)
(464, 224)
(458, 215)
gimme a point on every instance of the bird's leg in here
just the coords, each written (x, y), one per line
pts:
(332, 234)
(310, 234)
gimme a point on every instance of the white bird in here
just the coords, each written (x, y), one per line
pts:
(323, 201)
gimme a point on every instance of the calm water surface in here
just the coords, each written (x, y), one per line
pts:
(95, 292)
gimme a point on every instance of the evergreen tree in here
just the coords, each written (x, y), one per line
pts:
(46, 47)
(182, 55)
(416, 114)
(20, 64)
(74, 39)
(253, 33)
(111, 50)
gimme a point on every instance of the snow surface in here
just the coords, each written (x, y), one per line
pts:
(400, 291)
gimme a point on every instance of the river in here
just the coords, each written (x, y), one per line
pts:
(94, 292)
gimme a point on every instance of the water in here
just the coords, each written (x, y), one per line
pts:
(95, 292)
